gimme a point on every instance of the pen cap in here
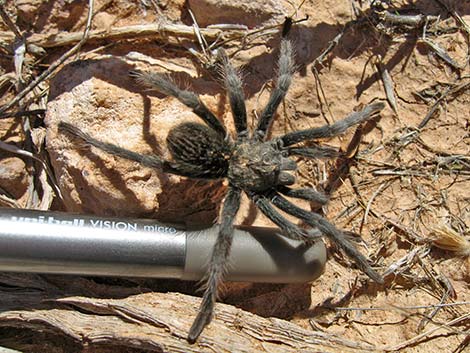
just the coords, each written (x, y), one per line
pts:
(258, 254)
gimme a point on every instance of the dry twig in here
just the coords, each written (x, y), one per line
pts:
(53, 67)
(450, 93)
(406, 20)
(388, 85)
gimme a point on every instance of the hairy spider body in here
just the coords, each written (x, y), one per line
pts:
(197, 149)
(259, 167)
(248, 165)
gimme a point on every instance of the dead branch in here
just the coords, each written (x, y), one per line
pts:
(148, 31)
(407, 20)
(160, 321)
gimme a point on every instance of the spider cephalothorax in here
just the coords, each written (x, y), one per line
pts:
(252, 164)
(258, 166)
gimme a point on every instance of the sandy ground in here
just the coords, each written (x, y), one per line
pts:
(409, 177)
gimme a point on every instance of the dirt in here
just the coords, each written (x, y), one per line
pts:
(409, 176)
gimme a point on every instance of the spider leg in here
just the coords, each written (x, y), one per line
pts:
(233, 84)
(217, 264)
(334, 129)
(304, 193)
(289, 229)
(146, 160)
(315, 151)
(284, 78)
(315, 220)
(163, 85)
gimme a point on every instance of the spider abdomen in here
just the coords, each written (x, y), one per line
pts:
(259, 166)
(197, 149)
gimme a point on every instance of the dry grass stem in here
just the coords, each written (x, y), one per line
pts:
(455, 15)
(402, 308)
(14, 149)
(9, 202)
(322, 57)
(426, 335)
(406, 262)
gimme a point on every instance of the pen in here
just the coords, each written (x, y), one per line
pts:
(63, 243)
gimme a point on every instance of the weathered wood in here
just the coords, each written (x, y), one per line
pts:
(149, 321)
(117, 33)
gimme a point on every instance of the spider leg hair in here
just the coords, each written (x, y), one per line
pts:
(334, 129)
(315, 151)
(304, 194)
(290, 230)
(218, 263)
(328, 229)
(234, 87)
(143, 159)
(163, 85)
(284, 78)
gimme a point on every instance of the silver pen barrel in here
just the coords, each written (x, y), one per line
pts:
(53, 242)
(62, 243)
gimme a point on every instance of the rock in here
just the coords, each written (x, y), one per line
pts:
(246, 12)
(13, 176)
(13, 173)
(28, 9)
(99, 97)
(45, 16)
(104, 20)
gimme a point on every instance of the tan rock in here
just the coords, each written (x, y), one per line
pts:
(28, 9)
(13, 176)
(245, 12)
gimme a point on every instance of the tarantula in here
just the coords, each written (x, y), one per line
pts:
(253, 164)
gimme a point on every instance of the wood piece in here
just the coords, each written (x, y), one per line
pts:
(117, 33)
(160, 322)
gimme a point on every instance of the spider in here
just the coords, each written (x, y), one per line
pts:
(260, 167)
